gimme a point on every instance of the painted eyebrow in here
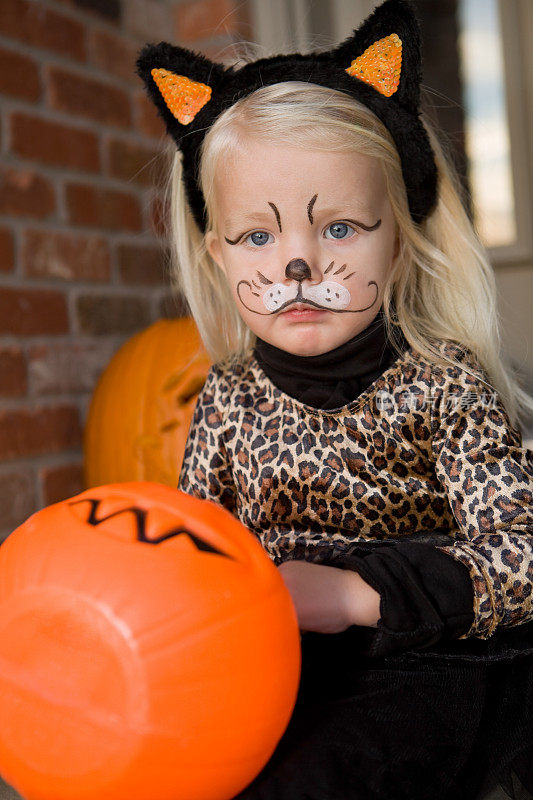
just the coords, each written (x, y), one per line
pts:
(310, 208)
(276, 212)
(363, 226)
(278, 220)
(278, 217)
(310, 205)
(355, 222)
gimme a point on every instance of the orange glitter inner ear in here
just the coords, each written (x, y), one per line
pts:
(183, 97)
(380, 65)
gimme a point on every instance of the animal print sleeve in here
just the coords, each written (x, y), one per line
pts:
(205, 471)
(488, 477)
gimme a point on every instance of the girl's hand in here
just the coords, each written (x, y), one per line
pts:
(329, 599)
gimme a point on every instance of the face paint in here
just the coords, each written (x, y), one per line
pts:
(276, 212)
(326, 296)
(310, 208)
(278, 220)
(306, 272)
(339, 270)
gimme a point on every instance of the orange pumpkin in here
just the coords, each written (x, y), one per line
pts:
(142, 406)
(149, 649)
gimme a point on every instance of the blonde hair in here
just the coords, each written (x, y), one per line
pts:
(443, 287)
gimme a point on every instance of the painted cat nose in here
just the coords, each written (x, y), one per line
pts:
(298, 270)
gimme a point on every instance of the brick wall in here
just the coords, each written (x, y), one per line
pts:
(82, 247)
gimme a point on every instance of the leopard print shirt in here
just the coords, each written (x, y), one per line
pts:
(426, 446)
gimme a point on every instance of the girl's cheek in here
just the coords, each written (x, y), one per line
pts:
(359, 282)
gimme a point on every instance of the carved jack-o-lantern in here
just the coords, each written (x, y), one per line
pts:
(141, 409)
(149, 649)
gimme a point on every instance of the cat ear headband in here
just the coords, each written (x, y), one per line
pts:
(379, 65)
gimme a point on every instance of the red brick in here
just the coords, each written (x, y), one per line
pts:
(19, 76)
(148, 120)
(141, 265)
(17, 498)
(30, 312)
(68, 256)
(34, 24)
(103, 208)
(110, 10)
(53, 143)
(60, 483)
(7, 250)
(104, 314)
(148, 18)
(68, 367)
(13, 373)
(134, 162)
(201, 19)
(113, 54)
(89, 98)
(30, 432)
(25, 193)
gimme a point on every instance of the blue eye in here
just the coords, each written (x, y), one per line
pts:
(258, 238)
(339, 230)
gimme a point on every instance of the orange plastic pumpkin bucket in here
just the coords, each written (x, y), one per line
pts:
(149, 649)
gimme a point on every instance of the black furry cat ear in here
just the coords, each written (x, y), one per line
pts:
(179, 82)
(379, 65)
(385, 53)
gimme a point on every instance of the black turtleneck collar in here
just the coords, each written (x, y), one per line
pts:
(333, 379)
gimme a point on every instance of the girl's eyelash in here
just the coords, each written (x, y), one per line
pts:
(340, 222)
(246, 236)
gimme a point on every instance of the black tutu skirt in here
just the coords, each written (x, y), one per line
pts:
(453, 722)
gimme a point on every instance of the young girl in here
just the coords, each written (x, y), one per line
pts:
(358, 418)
